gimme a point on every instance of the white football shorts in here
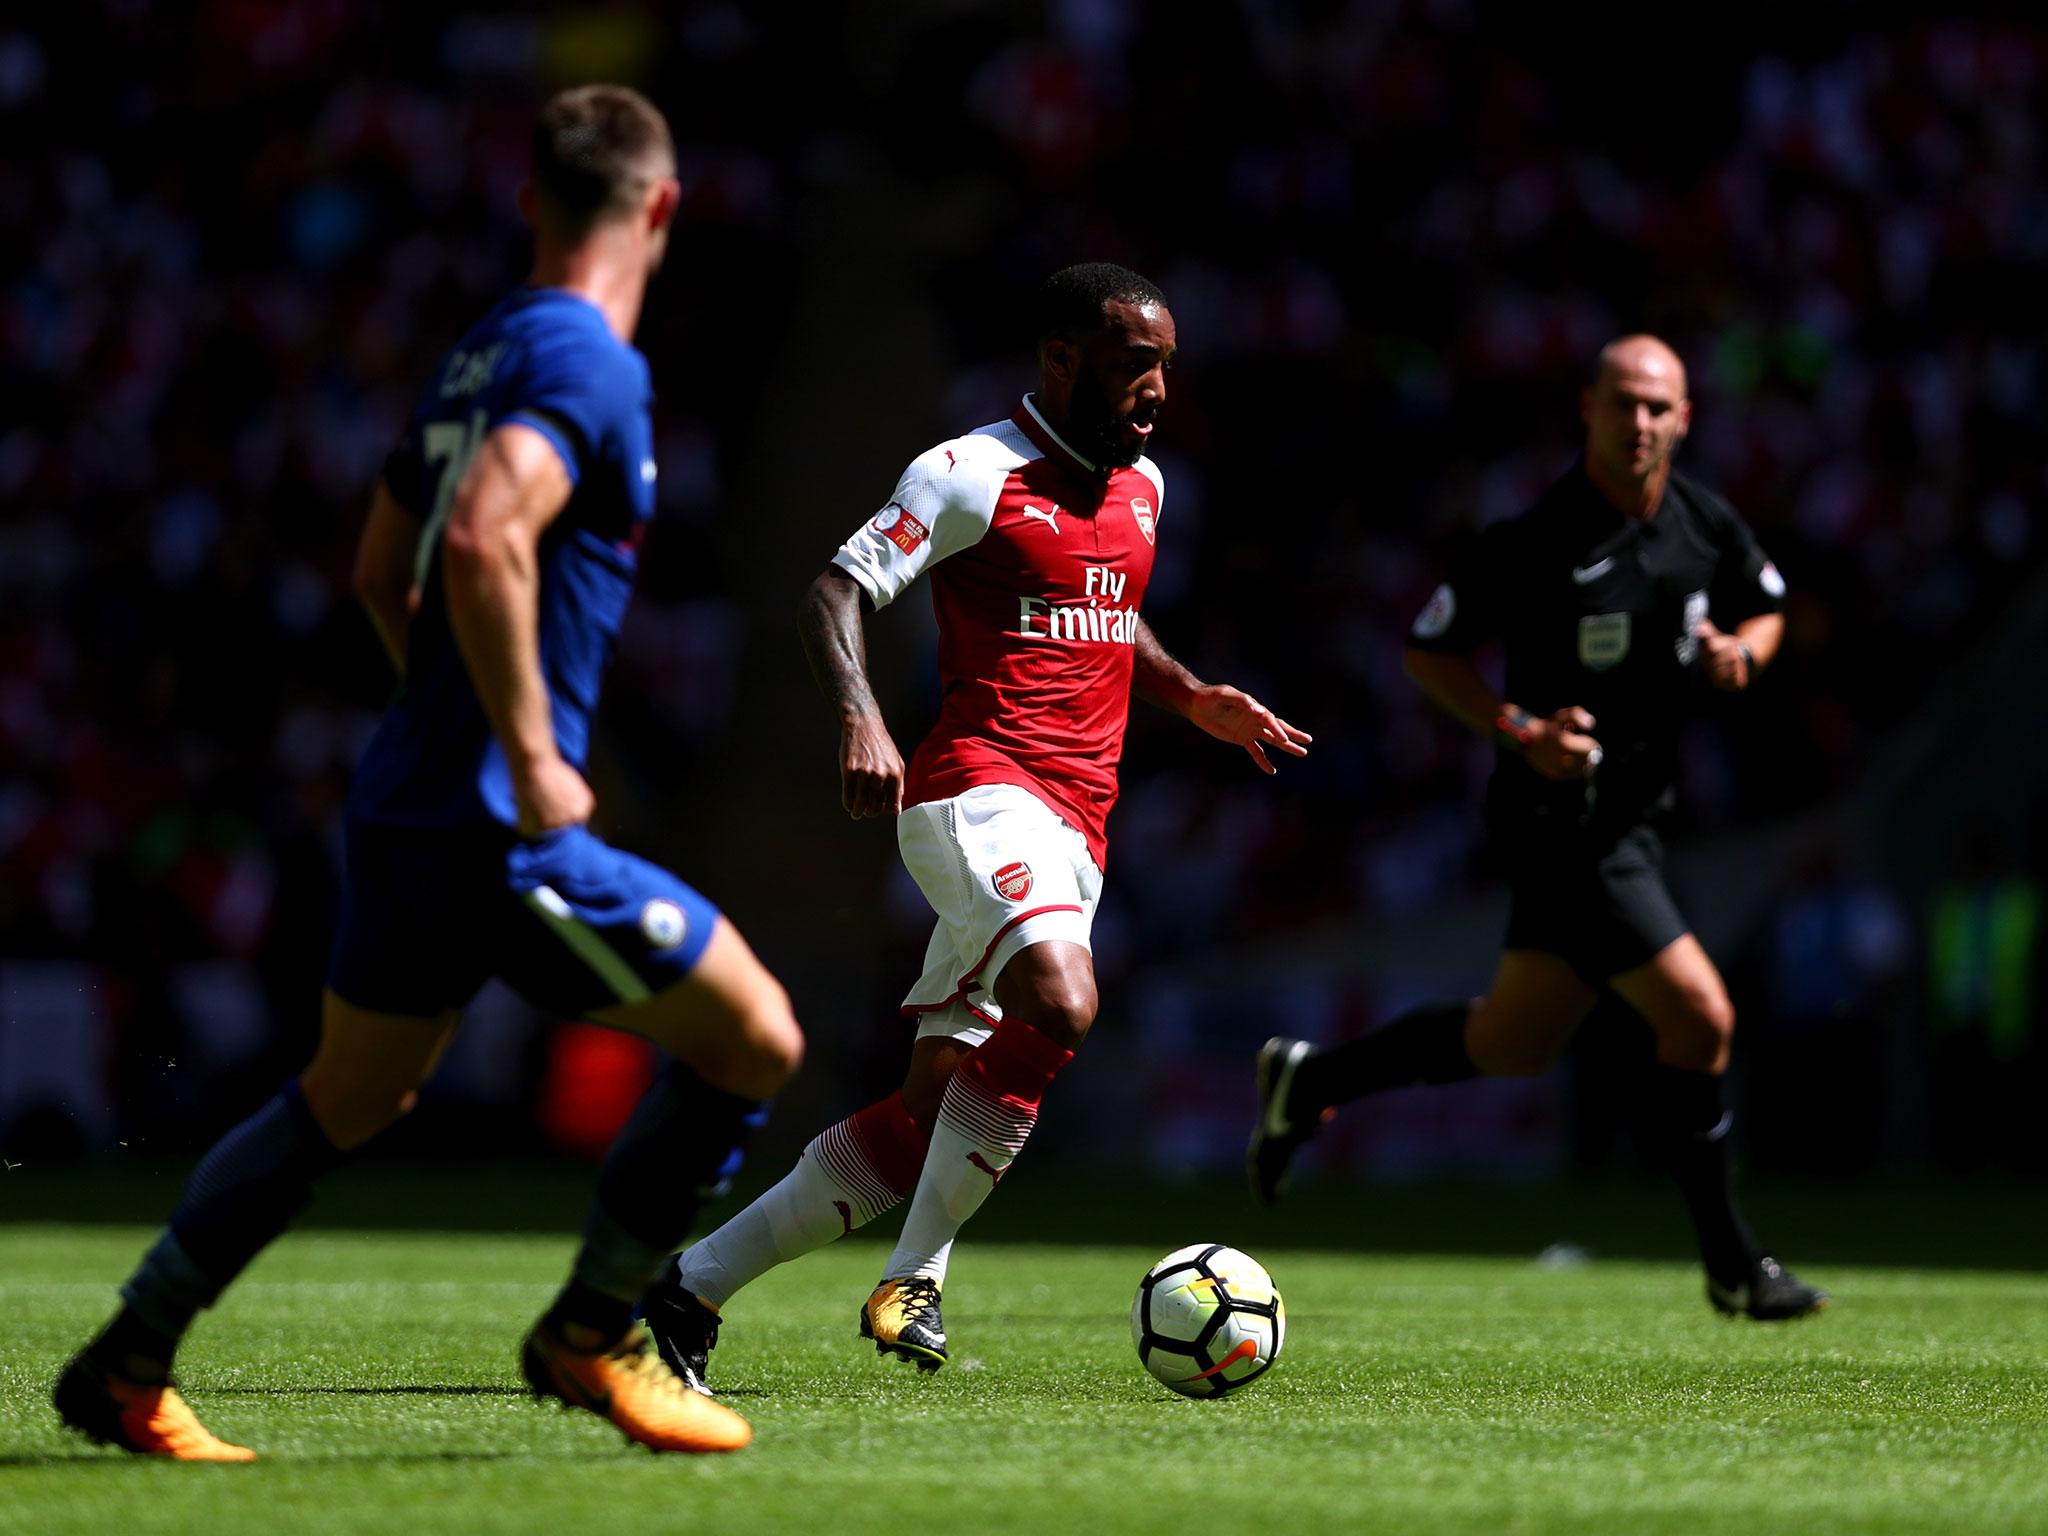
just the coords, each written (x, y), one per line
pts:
(1003, 872)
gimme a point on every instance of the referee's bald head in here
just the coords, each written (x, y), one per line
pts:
(1639, 356)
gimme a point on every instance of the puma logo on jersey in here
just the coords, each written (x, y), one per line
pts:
(1050, 519)
(1584, 574)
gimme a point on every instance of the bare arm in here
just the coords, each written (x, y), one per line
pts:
(1157, 678)
(870, 767)
(1733, 661)
(384, 572)
(1558, 747)
(515, 488)
(1229, 714)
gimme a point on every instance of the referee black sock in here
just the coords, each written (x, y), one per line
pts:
(1423, 1045)
(680, 1147)
(1689, 1121)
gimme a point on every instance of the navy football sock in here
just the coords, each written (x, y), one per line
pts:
(682, 1145)
(1423, 1045)
(1689, 1123)
(242, 1195)
(134, 1348)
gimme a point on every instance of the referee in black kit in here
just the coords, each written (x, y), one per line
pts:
(1623, 580)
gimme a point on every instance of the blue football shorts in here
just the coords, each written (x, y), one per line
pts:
(568, 921)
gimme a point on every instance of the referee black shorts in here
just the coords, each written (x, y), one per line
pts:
(1600, 905)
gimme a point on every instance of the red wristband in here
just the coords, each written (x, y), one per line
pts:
(1516, 727)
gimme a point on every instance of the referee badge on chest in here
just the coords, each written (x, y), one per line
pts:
(1603, 640)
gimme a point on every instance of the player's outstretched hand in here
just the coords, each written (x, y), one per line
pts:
(1232, 715)
(1724, 657)
(551, 795)
(1561, 746)
(870, 769)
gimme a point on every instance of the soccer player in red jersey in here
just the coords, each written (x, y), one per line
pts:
(1038, 533)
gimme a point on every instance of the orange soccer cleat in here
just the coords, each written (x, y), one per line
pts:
(630, 1386)
(148, 1419)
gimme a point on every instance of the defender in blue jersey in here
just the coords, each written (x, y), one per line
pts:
(496, 565)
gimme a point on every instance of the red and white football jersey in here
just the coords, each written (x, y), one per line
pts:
(1038, 564)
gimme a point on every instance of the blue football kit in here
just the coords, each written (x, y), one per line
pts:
(441, 891)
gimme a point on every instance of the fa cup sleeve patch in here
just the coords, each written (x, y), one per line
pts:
(900, 528)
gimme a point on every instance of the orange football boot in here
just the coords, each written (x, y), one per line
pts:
(630, 1386)
(150, 1420)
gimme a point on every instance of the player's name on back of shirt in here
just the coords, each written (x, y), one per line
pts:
(468, 373)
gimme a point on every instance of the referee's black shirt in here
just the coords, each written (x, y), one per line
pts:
(1598, 609)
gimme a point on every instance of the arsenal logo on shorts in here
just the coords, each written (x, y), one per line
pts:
(901, 529)
(1141, 509)
(1013, 881)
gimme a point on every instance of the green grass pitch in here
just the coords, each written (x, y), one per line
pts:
(374, 1371)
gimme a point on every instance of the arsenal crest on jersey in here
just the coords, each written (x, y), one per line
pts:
(1013, 881)
(1141, 509)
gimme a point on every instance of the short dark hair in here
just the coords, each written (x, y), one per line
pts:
(1073, 299)
(594, 148)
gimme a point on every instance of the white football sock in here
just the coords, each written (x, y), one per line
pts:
(832, 1189)
(975, 1141)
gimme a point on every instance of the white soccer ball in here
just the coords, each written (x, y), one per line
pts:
(1207, 1320)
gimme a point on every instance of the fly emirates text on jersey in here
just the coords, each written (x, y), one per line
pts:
(1040, 618)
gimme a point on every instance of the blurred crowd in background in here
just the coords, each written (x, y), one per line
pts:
(1393, 235)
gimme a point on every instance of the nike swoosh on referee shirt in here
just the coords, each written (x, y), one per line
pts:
(1585, 573)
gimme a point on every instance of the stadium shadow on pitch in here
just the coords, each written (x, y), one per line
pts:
(404, 1390)
(1888, 1221)
(381, 1456)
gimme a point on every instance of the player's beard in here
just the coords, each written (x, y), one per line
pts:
(1098, 430)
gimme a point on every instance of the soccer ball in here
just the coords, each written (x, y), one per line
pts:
(1207, 1320)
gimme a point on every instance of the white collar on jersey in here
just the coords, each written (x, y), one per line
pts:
(1031, 405)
